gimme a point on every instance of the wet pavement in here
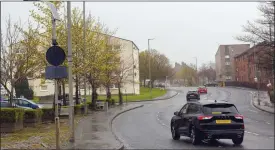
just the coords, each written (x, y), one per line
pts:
(94, 131)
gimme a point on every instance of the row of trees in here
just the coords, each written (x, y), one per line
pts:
(207, 72)
(160, 66)
(185, 74)
(23, 54)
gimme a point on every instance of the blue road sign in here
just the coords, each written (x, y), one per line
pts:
(55, 55)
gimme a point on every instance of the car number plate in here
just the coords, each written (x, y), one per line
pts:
(192, 95)
(223, 121)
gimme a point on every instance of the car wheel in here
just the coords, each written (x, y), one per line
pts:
(195, 137)
(237, 141)
(175, 134)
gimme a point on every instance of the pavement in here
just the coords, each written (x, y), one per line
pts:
(263, 102)
(148, 127)
(94, 131)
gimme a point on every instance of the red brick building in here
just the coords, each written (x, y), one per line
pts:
(249, 62)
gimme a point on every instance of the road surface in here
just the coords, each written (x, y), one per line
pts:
(148, 127)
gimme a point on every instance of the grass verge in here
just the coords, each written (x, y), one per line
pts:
(37, 137)
(144, 95)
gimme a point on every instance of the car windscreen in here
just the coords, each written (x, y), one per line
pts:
(219, 109)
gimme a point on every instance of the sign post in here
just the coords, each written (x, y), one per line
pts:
(55, 56)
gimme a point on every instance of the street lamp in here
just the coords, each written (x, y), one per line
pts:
(197, 78)
(150, 67)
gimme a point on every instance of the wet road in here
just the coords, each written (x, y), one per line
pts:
(148, 127)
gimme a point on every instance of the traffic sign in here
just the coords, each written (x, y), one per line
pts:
(55, 55)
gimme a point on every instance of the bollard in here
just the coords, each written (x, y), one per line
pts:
(57, 137)
(106, 106)
(85, 106)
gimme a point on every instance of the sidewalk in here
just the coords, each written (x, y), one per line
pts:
(265, 104)
(94, 131)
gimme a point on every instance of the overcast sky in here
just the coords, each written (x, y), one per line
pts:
(182, 30)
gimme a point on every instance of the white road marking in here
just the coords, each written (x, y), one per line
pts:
(271, 137)
(255, 134)
(253, 111)
(247, 132)
(267, 122)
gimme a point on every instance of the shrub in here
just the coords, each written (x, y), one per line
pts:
(33, 114)
(79, 109)
(48, 114)
(11, 119)
(11, 115)
(32, 117)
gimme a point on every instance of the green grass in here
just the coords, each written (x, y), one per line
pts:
(144, 95)
(35, 99)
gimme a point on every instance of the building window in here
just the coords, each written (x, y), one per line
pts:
(227, 63)
(44, 88)
(228, 77)
(226, 50)
(227, 59)
(227, 56)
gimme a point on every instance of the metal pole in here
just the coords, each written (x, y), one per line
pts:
(150, 86)
(84, 48)
(0, 47)
(56, 89)
(71, 115)
(274, 53)
(197, 71)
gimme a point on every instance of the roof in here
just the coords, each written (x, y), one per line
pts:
(206, 102)
(121, 39)
(230, 45)
(257, 48)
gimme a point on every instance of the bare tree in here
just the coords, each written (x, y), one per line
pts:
(160, 65)
(20, 57)
(261, 33)
(122, 73)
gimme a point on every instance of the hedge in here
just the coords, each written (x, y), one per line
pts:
(11, 119)
(11, 115)
(32, 117)
(79, 109)
(47, 115)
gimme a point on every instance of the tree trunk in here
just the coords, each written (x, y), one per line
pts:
(144, 82)
(11, 93)
(108, 94)
(76, 90)
(94, 96)
(120, 95)
(64, 93)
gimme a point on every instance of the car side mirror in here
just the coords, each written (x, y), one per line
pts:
(176, 113)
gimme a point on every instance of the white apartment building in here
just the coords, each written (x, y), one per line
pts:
(129, 55)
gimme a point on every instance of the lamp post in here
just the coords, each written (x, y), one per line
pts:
(71, 112)
(150, 67)
(273, 69)
(197, 78)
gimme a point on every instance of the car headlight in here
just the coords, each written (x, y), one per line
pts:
(40, 106)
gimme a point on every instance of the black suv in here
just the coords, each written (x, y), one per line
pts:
(192, 94)
(208, 120)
